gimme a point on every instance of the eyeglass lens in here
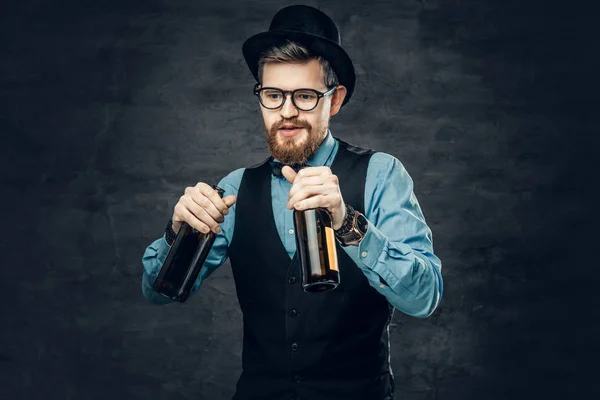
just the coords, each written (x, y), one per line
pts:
(303, 99)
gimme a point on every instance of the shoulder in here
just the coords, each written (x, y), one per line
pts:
(381, 164)
(384, 166)
(384, 161)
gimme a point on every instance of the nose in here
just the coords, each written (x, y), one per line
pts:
(288, 110)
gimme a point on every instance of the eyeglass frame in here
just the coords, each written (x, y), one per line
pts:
(292, 92)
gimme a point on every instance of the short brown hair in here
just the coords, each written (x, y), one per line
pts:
(292, 52)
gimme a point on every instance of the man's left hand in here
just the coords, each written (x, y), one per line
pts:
(316, 187)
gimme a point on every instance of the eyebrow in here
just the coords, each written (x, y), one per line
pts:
(303, 87)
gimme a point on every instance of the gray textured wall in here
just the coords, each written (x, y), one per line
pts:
(110, 109)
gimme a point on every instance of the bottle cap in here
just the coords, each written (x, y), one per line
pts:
(218, 189)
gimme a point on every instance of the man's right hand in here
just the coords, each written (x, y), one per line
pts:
(202, 208)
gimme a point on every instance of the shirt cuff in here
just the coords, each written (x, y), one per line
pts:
(366, 255)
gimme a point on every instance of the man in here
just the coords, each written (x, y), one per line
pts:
(328, 345)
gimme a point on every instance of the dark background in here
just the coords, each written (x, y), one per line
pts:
(109, 109)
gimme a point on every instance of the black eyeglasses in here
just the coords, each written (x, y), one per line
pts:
(303, 99)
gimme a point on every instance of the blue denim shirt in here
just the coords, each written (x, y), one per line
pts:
(398, 246)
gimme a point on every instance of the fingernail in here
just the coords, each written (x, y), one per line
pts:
(226, 211)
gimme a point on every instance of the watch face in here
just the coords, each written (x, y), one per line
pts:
(361, 223)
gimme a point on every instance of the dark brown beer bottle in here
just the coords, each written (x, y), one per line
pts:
(184, 261)
(315, 241)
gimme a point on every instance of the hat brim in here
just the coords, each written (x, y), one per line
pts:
(334, 54)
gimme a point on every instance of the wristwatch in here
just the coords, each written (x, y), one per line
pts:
(170, 234)
(353, 229)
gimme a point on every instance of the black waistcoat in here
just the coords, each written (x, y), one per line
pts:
(331, 345)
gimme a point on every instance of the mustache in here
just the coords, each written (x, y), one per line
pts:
(294, 121)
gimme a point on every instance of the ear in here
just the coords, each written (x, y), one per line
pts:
(337, 99)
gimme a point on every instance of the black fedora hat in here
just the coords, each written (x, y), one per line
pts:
(311, 28)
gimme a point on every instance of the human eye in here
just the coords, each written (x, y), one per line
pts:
(272, 94)
(306, 95)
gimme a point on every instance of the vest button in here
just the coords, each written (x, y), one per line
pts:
(293, 312)
(295, 346)
(292, 280)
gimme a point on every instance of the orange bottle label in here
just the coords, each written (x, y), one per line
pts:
(330, 240)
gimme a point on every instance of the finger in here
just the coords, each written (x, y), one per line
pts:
(306, 192)
(203, 216)
(315, 180)
(206, 204)
(214, 197)
(229, 200)
(288, 173)
(319, 201)
(187, 216)
(311, 171)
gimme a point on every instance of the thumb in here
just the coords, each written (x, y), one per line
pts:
(229, 200)
(289, 173)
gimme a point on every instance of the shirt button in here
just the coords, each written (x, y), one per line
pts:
(363, 254)
(291, 231)
(293, 312)
(295, 346)
(292, 280)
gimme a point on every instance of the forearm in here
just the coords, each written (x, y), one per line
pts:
(156, 253)
(410, 279)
